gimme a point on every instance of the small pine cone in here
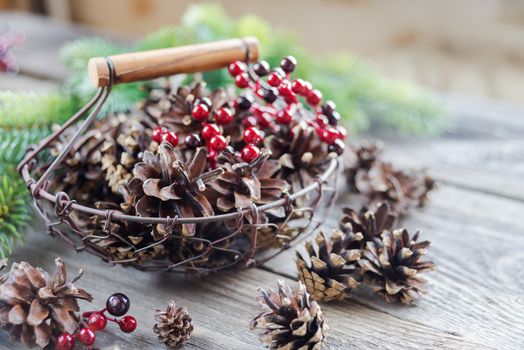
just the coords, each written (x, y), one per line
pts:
(291, 321)
(35, 308)
(359, 159)
(370, 222)
(392, 265)
(173, 326)
(331, 274)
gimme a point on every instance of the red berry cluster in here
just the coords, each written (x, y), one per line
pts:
(117, 305)
(281, 94)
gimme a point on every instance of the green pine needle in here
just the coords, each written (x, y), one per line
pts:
(21, 109)
(14, 143)
(14, 211)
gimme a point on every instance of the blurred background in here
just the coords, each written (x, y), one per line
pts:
(464, 47)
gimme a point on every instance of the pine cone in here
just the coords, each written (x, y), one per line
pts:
(35, 308)
(125, 241)
(243, 184)
(174, 109)
(195, 251)
(164, 186)
(128, 138)
(302, 156)
(291, 321)
(331, 274)
(392, 265)
(173, 326)
(360, 159)
(400, 189)
(369, 223)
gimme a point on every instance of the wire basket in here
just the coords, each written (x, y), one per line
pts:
(245, 242)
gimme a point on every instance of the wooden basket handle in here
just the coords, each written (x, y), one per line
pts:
(153, 64)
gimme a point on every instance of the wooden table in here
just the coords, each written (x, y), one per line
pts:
(475, 221)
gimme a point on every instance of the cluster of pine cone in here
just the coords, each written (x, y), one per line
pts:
(118, 165)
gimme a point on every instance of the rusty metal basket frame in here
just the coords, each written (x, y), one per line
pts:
(64, 206)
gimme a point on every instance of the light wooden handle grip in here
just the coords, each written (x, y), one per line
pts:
(153, 64)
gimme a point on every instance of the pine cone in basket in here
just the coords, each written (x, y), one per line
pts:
(164, 186)
(331, 273)
(123, 241)
(123, 146)
(173, 109)
(243, 184)
(291, 320)
(198, 254)
(302, 156)
(367, 222)
(392, 265)
(36, 308)
(173, 326)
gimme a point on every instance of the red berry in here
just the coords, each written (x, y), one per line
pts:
(298, 86)
(249, 121)
(236, 68)
(329, 135)
(158, 132)
(314, 97)
(170, 137)
(285, 88)
(284, 116)
(97, 321)
(200, 112)
(210, 130)
(86, 336)
(127, 324)
(249, 153)
(224, 116)
(274, 79)
(307, 88)
(242, 80)
(218, 143)
(342, 132)
(65, 342)
(322, 120)
(252, 135)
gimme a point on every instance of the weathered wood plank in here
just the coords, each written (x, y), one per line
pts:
(477, 290)
(21, 82)
(39, 54)
(222, 306)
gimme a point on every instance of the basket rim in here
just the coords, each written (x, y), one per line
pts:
(42, 193)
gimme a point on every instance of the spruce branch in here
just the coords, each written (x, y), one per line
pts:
(14, 211)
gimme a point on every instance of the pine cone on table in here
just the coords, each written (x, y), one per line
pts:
(331, 274)
(392, 265)
(173, 326)
(360, 159)
(291, 320)
(370, 223)
(400, 189)
(164, 186)
(243, 184)
(36, 308)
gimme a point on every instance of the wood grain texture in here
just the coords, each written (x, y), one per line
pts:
(152, 64)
